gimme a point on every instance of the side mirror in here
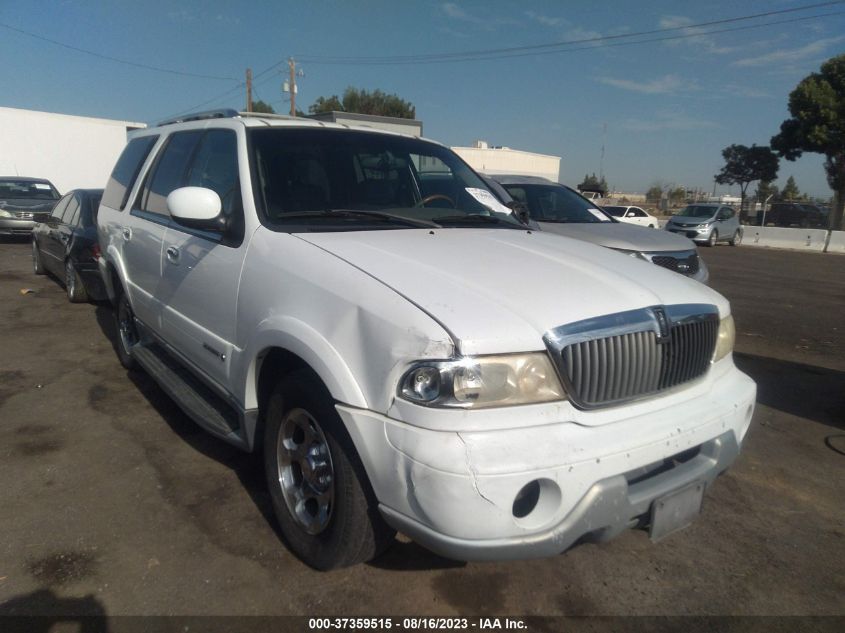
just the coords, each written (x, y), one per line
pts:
(520, 211)
(630, 214)
(197, 208)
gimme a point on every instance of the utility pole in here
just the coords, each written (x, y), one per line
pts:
(249, 89)
(292, 68)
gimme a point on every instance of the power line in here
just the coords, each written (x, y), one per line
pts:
(170, 71)
(549, 48)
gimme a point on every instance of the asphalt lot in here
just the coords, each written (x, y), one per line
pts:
(114, 502)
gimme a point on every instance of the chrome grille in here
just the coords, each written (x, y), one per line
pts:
(24, 215)
(622, 357)
(686, 265)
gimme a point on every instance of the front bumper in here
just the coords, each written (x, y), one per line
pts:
(599, 472)
(14, 226)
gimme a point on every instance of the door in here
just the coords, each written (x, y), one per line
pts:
(144, 229)
(201, 270)
(48, 242)
(64, 230)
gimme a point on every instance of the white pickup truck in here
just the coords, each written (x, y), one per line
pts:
(357, 307)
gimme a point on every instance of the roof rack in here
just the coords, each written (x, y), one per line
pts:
(266, 115)
(224, 113)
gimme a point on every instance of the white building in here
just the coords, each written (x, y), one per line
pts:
(504, 160)
(70, 151)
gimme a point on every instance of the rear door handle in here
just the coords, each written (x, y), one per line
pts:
(172, 254)
(127, 234)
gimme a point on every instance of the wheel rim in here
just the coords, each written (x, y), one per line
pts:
(713, 236)
(305, 471)
(126, 325)
(70, 278)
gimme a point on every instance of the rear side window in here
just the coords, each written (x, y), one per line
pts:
(170, 171)
(126, 170)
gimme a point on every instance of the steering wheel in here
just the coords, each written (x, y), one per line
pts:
(433, 197)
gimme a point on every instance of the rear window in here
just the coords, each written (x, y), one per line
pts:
(126, 170)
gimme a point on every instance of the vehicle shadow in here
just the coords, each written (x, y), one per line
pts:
(42, 611)
(807, 391)
(249, 469)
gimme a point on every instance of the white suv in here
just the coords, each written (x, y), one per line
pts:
(358, 307)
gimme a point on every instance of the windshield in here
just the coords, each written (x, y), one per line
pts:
(330, 179)
(697, 211)
(27, 190)
(554, 203)
(616, 212)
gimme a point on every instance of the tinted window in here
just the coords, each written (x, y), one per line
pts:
(215, 167)
(616, 212)
(61, 205)
(697, 211)
(74, 220)
(126, 170)
(89, 210)
(70, 210)
(638, 213)
(170, 171)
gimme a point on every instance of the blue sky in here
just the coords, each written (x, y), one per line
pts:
(669, 107)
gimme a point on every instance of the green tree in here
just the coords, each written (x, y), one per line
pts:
(262, 107)
(817, 125)
(790, 190)
(592, 183)
(654, 193)
(677, 195)
(361, 101)
(744, 165)
(765, 189)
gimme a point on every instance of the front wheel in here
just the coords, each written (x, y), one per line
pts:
(736, 240)
(714, 235)
(76, 292)
(327, 511)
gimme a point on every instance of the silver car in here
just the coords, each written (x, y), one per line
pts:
(559, 209)
(707, 223)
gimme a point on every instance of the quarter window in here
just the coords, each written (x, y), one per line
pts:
(126, 171)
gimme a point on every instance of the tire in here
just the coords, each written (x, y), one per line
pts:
(651, 226)
(37, 264)
(714, 236)
(736, 240)
(76, 292)
(127, 332)
(326, 509)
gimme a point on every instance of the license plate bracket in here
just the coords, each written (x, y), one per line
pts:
(675, 510)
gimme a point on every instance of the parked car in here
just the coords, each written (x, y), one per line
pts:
(23, 203)
(800, 214)
(707, 223)
(632, 215)
(559, 209)
(66, 245)
(402, 352)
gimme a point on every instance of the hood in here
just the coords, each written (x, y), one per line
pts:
(688, 220)
(624, 236)
(27, 204)
(499, 290)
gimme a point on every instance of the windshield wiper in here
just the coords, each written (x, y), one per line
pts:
(355, 213)
(477, 217)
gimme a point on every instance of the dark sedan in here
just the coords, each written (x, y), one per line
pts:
(66, 245)
(23, 203)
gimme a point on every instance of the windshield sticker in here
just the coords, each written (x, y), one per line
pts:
(601, 216)
(41, 185)
(488, 200)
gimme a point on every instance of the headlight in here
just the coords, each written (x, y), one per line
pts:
(634, 254)
(483, 381)
(5, 214)
(725, 339)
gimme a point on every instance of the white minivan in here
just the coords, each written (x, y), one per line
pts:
(403, 354)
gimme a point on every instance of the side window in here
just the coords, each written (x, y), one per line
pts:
(61, 205)
(74, 217)
(638, 212)
(72, 207)
(215, 167)
(169, 171)
(126, 171)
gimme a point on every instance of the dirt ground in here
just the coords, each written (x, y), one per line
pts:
(114, 502)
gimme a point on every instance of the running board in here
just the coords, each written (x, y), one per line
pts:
(199, 402)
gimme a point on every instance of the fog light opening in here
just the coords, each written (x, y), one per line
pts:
(526, 499)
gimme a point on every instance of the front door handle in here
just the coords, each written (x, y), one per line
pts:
(127, 234)
(172, 254)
